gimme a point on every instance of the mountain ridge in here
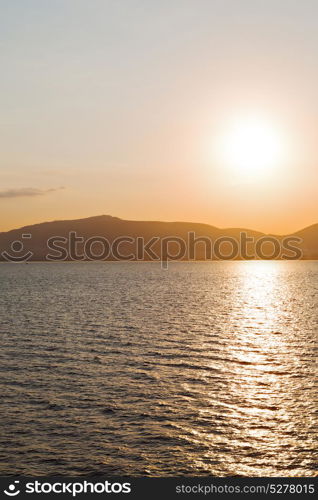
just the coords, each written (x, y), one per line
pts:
(112, 228)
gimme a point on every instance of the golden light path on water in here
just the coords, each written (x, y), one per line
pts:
(260, 331)
(265, 396)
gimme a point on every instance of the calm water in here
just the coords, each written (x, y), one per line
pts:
(121, 368)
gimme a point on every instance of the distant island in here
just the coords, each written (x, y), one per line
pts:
(91, 239)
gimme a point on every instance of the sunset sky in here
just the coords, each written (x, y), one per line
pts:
(194, 110)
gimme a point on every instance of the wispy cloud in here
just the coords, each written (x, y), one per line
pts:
(27, 192)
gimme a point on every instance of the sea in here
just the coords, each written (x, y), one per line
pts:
(126, 368)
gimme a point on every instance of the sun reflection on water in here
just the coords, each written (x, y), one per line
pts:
(262, 386)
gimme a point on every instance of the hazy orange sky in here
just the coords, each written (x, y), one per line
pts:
(128, 108)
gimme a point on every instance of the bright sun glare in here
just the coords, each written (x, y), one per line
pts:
(251, 148)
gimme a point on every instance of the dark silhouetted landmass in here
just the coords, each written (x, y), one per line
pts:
(112, 228)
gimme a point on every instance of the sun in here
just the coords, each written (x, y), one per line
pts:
(251, 148)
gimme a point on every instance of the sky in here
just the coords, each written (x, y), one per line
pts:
(127, 108)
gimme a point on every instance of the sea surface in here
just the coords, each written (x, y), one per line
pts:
(128, 369)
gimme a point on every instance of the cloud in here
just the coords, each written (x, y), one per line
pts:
(27, 192)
